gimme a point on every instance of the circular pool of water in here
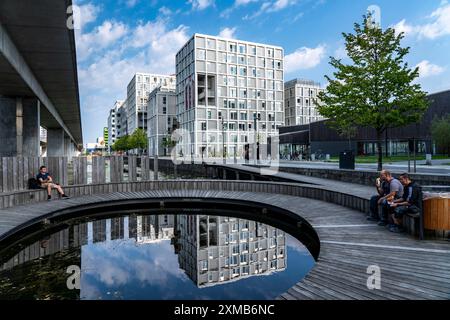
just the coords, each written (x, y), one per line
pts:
(143, 255)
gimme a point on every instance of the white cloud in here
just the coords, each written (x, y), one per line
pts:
(438, 25)
(237, 3)
(304, 58)
(131, 3)
(280, 5)
(101, 37)
(201, 4)
(271, 6)
(228, 33)
(104, 79)
(427, 69)
(165, 11)
(404, 27)
(341, 52)
(145, 34)
(88, 13)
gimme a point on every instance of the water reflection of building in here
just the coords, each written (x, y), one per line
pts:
(214, 250)
(211, 249)
(72, 237)
(96, 232)
(154, 228)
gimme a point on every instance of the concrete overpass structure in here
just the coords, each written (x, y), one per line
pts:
(38, 78)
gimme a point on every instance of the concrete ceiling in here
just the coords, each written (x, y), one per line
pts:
(38, 28)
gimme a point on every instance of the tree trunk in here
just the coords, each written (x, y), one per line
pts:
(379, 150)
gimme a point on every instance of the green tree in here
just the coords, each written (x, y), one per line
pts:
(168, 143)
(138, 140)
(121, 144)
(377, 89)
(440, 131)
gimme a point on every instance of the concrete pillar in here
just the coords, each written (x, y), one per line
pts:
(55, 142)
(31, 132)
(19, 127)
(8, 127)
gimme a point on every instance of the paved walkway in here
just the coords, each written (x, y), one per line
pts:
(351, 188)
(410, 269)
(439, 167)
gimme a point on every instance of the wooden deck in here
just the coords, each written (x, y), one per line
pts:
(410, 269)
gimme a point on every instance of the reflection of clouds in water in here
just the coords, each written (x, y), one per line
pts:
(159, 270)
(293, 244)
(88, 291)
(120, 262)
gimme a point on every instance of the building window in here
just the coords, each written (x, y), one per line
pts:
(203, 126)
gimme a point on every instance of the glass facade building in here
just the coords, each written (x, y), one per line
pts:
(229, 93)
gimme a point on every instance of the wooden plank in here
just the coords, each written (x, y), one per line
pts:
(132, 169)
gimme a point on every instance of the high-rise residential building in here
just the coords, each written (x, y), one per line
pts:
(138, 91)
(223, 85)
(154, 228)
(300, 102)
(214, 250)
(162, 119)
(115, 129)
(122, 120)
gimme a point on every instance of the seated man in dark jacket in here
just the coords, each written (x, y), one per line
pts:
(410, 202)
(46, 182)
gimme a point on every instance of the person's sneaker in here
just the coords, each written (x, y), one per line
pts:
(396, 229)
(64, 197)
(382, 223)
(370, 218)
(390, 225)
(49, 198)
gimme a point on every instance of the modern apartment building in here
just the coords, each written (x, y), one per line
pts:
(138, 91)
(223, 85)
(300, 102)
(162, 119)
(115, 129)
(215, 250)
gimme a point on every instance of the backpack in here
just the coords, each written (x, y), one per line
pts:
(33, 184)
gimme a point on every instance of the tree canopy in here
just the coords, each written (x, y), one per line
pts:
(377, 88)
(138, 140)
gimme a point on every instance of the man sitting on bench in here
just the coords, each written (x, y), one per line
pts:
(46, 182)
(410, 202)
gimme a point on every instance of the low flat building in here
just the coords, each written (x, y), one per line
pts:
(319, 138)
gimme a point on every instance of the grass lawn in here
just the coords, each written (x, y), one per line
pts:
(374, 159)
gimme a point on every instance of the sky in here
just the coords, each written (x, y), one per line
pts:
(117, 38)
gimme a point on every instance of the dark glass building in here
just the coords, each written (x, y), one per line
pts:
(319, 138)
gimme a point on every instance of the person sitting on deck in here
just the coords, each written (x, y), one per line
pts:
(395, 192)
(46, 182)
(410, 202)
(382, 187)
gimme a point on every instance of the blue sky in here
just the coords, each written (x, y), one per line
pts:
(117, 38)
